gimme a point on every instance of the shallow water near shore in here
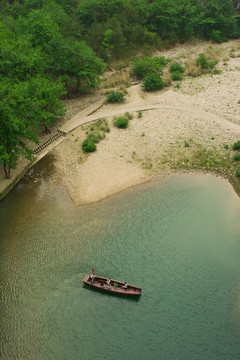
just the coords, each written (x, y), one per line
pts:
(178, 237)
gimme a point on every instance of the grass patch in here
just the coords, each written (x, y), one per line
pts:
(216, 72)
(203, 64)
(122, 122)
(176, 75)
(115, 97)
(236, 145)
(236, 157)
(191, 69)
(176, 67)
(96, 132)
(167, 79)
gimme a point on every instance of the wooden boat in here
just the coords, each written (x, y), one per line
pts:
(100, 283)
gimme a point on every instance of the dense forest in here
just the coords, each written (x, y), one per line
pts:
(52, 49)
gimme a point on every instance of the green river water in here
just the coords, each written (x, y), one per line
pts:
(177, 237)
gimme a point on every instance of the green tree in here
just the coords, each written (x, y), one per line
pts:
(24, 107)
(18, 58)
(72, 61)
(217, 20)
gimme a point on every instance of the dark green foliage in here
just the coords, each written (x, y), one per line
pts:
(147, 64)
(24, 108)
(88, 145)
(217, 36)
(238, 172)
(204, 63)
(176, 67)
(236, 157)
(121, 122)
(176, 75)
(216, 20)
(236, 145)
(152, 81)
(116, 97)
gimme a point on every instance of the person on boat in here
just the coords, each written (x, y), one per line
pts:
(109, 284)
(125, 286)
(115, 285)
(92, 276)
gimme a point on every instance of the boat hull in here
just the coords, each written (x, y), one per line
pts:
(100, 283)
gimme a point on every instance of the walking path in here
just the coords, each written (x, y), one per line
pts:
(89, 114)
(24, 165)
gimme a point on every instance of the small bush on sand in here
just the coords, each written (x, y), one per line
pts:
(204, 63)
(176, 75)
(95, 133)
(139, 114)
(236, 157)
(152, 81)
(88, 145)
(176, 67)
(191, 69)
(217, 36)
(121, 122)
(147, 64)
(116, 97)
(236, 145)
(128, 115)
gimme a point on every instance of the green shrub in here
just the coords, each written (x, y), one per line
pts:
(236, 157)
(176, 75)
(204, 63)
(128, 115)
(121, 122)
(217, 36)
(96, 133)
(88, 146)
(139, 114)
(238, 172)
(152, 81)
(226, 146)
(116, 97)
(236, 145)
(186, 144)
(147, 64)
(176, 67)
(96, 137)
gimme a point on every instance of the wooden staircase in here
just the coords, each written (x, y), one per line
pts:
(54, 137)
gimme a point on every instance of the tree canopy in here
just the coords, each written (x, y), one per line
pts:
(51, 48)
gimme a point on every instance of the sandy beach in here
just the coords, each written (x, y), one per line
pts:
(202, 115)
